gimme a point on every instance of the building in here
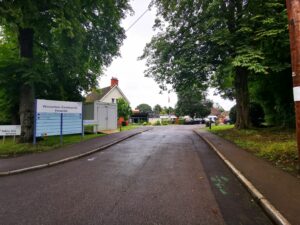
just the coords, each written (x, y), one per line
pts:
(100, 107)
(108, 94)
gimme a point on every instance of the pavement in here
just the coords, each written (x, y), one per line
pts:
(40, 160)
(281, 189)
(165, 176)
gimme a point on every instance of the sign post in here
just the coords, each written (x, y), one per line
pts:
(293, 10)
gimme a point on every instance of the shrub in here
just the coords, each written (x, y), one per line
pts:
(165, 122)
(256, 114)
(157, 123)
(181, 121)
(232, 114)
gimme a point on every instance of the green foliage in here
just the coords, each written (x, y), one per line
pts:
(276, 145)
(157, 123)
(124, 109)
(165, 122)
(257, 115)
(192, 102)
(72, 42)
(9, 148)
(181, 121)
(144, 108)
(232, 114)
(157, 109)
(221, 43)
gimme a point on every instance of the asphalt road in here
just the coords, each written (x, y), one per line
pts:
(163, 176)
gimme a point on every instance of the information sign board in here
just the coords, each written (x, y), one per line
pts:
(57, 118)
(10, 130)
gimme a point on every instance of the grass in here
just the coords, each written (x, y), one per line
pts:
(9, 148)
(274, 144)
(130, 127)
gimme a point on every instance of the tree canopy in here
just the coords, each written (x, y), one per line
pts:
(144, 108)
(55, 49)
(192, 102)
(236, 46)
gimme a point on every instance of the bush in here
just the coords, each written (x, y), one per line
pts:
(256, 114)
(181, 121)
(157, 123)
(165, 122)
(232, 114)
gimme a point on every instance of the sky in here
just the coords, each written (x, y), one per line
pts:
(130, 71)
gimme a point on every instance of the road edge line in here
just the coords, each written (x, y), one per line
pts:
(68, 159)
(267, 206)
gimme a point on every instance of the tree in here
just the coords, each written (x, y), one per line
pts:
(192, 102)
(124, 109)
(224, 43)
(62, 45)
(167, 110)
(144, 108)
(157, 109)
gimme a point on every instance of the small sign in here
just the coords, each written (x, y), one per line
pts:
(296, 92)
(10, 130)
(89, 122)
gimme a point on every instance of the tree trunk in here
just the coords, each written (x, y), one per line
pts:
(26, 107)
(242, 99)
(26, 42)
(26, 113)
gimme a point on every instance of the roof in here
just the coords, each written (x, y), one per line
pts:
(97, 95)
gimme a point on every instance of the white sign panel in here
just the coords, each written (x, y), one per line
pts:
(10, 130)
(48, 106)
(89, 122)
(296, 91)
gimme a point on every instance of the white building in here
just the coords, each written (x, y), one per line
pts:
(101, 106)
(108, 94)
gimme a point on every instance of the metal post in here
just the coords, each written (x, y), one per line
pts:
(61, 128)
(34, 122)
(293, 9)
(82, 125)
(14, 139)
(3, 139)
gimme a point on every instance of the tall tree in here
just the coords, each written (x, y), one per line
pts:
(192, 102)
(218, 42)
(144, 108)
(63, 46)
(157, 109)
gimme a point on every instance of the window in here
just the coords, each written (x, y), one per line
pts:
(113, 100)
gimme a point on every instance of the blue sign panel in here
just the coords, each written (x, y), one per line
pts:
(57, 118)
(72, 123)
(47, 124)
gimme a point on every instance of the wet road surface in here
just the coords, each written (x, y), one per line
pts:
(163, 176)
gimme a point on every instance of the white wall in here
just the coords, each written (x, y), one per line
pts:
(114, 93)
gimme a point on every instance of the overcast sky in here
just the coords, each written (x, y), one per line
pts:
(130, 71)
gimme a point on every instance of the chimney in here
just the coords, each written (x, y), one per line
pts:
(114, 82)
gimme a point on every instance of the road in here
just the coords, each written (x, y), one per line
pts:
(164, 176)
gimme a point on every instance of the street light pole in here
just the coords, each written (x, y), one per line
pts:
(293, 10)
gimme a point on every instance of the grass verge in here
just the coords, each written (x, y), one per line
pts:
(9, 148)
(274, 144)
(130, 127)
